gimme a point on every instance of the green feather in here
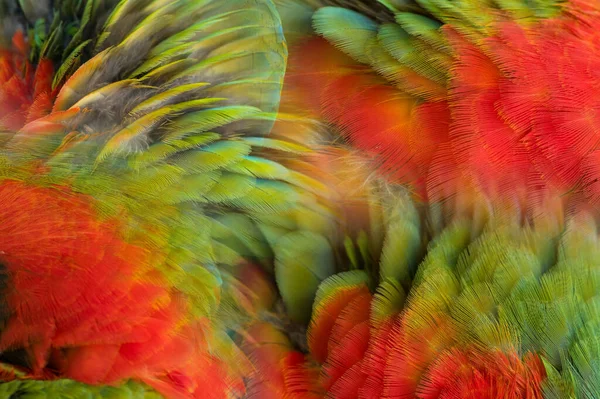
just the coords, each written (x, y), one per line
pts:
(202, 121)
(69, 65)
(302, 261)
(350, 31)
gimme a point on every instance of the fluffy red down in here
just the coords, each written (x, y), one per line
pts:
(519, 122)
(86, 303)
(25, 92)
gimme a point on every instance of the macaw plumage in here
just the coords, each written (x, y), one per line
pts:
(406, 210)
(492, 97)
(475, 275)
(137, 188)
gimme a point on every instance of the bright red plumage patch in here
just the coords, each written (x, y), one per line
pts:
(25, 93)
(88, 304)
(325, 320)
(473, 374)
(519, 122)
(279, 372)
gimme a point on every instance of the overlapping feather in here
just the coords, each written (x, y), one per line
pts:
(475, 95)
(137, 184)
(496, 310)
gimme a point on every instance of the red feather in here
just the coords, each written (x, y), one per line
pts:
(519, 121)
(105, 315)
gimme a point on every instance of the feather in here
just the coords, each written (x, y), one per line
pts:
(302, 261)
(348, 30)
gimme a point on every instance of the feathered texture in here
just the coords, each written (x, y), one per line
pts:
(144, 207)
(70, 389)
(486, 287)
(495, 308)
(461, 97)
(279, 371)
(138, 185)
(25, 92)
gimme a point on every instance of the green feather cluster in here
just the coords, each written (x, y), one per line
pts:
(504, 285)
(68, 389)
(409, 48)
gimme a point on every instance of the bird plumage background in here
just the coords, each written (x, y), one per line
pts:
(299, 199)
